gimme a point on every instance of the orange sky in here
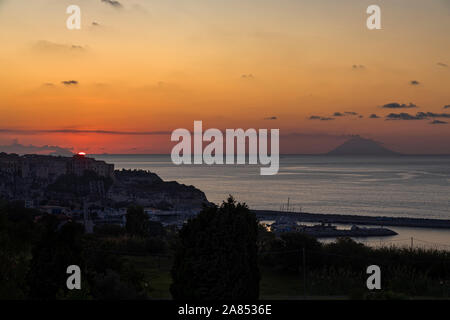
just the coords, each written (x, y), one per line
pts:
(154, 66)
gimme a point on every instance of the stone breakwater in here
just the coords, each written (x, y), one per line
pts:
(353, 219)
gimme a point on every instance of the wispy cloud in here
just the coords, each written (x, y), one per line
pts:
(358, 67)
(80, 131)
(395, 105)
(53, 47)
(441, 64)
(346, 113)
(438, 122)
(434, 115)
(374, 116)
(403, 116)
(417, 116)
(70, 83)
(115, 4)
(16, 147)
(321, 118)
(316, 135)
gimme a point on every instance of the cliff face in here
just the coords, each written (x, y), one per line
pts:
(358, 146)
(149, 190)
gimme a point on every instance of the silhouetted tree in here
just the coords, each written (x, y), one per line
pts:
(59, 247)
(293, 244)
(16, 236)
(156, 229)
(137, 222)
(109, 230)
(216, 255)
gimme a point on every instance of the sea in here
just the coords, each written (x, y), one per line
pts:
(398, 186)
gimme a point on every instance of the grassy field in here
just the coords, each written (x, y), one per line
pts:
(156, 271)
(273, 285)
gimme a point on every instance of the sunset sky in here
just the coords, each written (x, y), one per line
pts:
(137, 70)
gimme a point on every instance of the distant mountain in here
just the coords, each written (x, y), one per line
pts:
(357, 146)
(16, 147)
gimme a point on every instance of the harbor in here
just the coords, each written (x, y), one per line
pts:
(331, 231)
(270, 215)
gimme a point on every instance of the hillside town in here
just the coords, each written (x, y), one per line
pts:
(90, 191)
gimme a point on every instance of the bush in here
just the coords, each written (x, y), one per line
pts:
(155, 245)
(111, 230)
(109, 286)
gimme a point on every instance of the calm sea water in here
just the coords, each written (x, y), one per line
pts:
(409, 186)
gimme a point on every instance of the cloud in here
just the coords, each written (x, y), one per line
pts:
(48, 46)
(414, 82)
(433, 115)
(346, 113)
(317, 135)
(418, 116)
(16, 147)
(438, 122)
(441, 64)
(395, 105)
(70, 83)
(271, 118)
(403, 116)
(446, 107)
(80, 131)
(140, 8)
(374, 116)
(115, 4)
(320, 118)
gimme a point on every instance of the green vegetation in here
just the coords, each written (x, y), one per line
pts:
(37, 248)
(220, 254)
(216, 255)
(339, 268)
(17, 233)
(156, 272)
(53, 253)
(137, 222)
